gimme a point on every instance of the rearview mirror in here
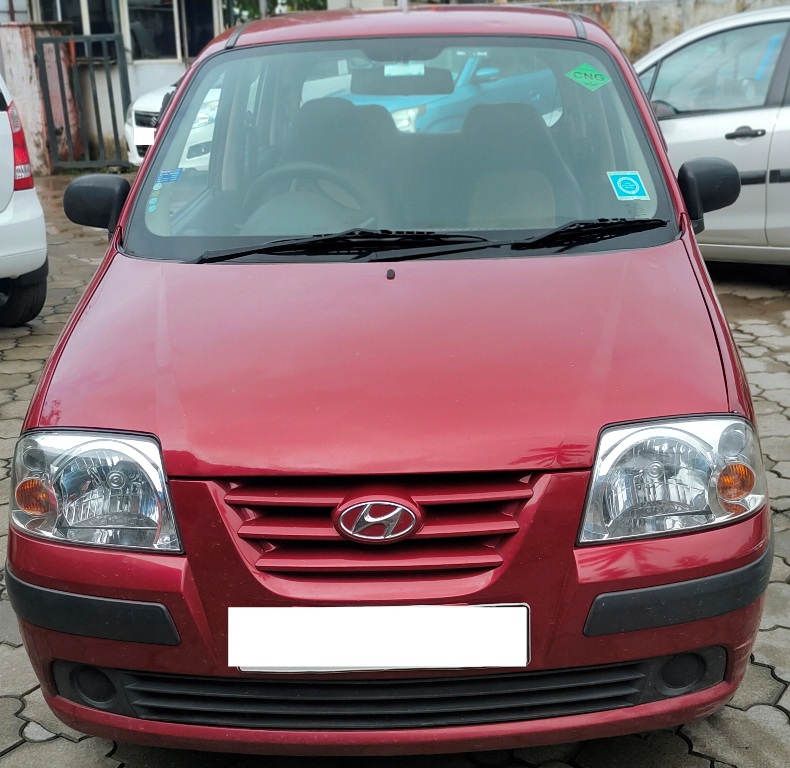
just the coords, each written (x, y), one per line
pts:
(708, 184)
(96, 200)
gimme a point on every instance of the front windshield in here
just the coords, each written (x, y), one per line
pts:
(499, 137)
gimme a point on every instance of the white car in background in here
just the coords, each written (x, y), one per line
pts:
(723, 89)
(141, 119)
(23, 236)
(143, 115)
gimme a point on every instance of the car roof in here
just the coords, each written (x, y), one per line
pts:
(779, 13)
(431, 20)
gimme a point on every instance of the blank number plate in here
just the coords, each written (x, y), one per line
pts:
(334, 639)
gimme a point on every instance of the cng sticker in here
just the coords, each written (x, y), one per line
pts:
(588, 76)
(628, 185)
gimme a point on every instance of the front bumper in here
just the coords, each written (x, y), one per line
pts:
(593, 608)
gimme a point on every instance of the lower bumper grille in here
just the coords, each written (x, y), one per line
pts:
(386, 704)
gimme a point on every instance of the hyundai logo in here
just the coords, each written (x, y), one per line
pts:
(377, 522)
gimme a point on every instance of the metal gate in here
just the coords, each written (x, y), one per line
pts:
(81, 102)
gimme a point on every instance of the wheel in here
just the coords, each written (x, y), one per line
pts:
(22, 302)
(372, 207)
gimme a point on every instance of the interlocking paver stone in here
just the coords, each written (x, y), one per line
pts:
(778, 487)
(780, 571)
(9, 627)
(62, 754)
(773, 648)
(10, 726)
(774, 424)
(16, 674)
(758, 687)
(35, 732)
(36, 710)
(776, 612)
(731, 737)
(782, 544)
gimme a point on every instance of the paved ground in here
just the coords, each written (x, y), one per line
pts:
(752, 732)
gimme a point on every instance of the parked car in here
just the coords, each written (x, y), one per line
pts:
(478, 77)
(141, 120)
(722, 89)
(369, 441)
(23, 253)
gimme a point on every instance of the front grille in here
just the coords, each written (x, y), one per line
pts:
(146, 119)
(142, 149)
(467, 518)
(382, 704)
(330, 703)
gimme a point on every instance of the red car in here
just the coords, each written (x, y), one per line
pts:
(371, 440)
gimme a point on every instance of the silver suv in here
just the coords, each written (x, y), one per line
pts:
(23, 237)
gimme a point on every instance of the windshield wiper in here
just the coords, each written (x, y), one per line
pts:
(386, 245)
(582, 232)
(563, 237)
(361, 242)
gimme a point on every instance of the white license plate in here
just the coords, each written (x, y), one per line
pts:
(344, 638)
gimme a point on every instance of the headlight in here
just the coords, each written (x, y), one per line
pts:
(654, 479)
(207, 114)
(406, 119)
(92, 488)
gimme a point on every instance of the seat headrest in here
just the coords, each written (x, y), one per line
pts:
(504, 120)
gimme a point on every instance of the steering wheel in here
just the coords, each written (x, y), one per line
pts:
(371, 203)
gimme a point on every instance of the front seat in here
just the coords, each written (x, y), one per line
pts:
(518, 178)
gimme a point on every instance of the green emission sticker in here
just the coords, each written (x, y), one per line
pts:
(588, 76)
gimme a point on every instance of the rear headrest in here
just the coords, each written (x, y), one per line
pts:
(321, 130)
(504, 121)
(334, 130)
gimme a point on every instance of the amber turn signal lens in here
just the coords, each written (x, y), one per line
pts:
(735, 482)
(33, 497)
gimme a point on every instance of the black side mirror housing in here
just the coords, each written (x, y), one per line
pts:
(708, 184)
(96, 200)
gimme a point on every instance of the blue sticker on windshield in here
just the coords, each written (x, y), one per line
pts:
(173, 175)
(628, 185)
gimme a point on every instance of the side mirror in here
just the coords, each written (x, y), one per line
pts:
(165, 101)
(708, 184)
(486, 75)
(96, 200)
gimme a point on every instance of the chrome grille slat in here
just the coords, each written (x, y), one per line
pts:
(289, 521)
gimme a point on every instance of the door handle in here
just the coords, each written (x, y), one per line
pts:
(745, 132)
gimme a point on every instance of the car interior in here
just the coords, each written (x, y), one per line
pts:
(290, 153)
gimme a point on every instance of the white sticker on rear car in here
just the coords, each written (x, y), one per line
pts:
(628, 185)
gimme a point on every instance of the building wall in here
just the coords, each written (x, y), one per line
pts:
(638, 26)
(20, 71)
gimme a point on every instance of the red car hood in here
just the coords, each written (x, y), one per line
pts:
(458, 365)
